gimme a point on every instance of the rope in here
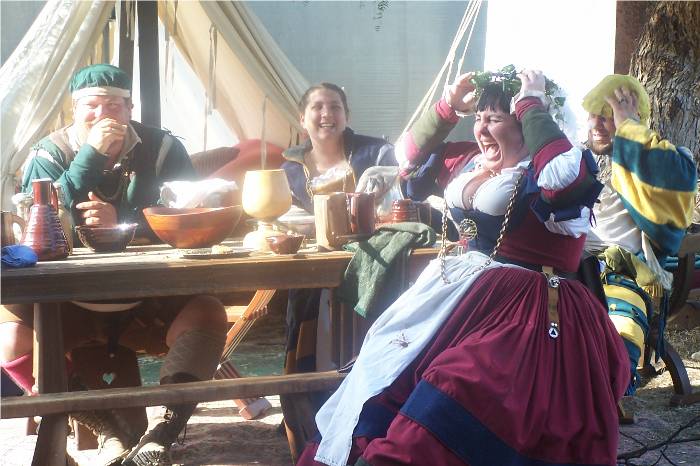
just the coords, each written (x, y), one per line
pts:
(469, 38)
(210, 97)
(130, 9)
(468, 21)
(170, 51)
(263, 145)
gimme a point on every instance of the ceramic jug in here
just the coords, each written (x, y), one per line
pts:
(43, 232)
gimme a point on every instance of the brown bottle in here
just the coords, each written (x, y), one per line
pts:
(44, 233)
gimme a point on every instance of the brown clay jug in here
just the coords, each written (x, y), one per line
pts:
(44, 233)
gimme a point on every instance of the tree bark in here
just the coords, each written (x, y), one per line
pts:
(667, 63)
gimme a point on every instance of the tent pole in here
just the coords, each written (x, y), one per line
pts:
(147, 15)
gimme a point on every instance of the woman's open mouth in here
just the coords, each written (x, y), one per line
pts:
(492, 151)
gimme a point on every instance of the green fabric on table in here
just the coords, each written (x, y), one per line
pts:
(374, 277)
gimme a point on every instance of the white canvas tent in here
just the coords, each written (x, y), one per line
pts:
(227, 47)
(237, 63)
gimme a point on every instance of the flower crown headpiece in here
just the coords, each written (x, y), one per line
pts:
(508, 77)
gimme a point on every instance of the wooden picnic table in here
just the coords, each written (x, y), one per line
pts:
(148, 271)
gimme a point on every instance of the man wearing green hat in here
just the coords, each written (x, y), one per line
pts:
(643, 210)
(110, 168)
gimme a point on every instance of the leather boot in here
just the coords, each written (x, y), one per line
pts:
(193, 357)
(154, 447)
(113, 441)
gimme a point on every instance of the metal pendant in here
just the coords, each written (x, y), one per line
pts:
(553, 330)
(467, 229)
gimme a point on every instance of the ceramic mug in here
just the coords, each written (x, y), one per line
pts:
(9, 220)
(361, 212)
(404, 210)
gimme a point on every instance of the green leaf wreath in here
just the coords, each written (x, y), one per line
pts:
(508, 77)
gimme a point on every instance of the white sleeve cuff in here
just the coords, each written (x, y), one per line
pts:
(561, 171)
(575, 227)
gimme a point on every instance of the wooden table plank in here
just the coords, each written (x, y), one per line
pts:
(135, 275)
(159, 271)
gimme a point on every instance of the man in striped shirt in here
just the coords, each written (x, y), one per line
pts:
(643, 211)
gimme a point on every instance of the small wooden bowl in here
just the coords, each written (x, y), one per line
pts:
(285, 244)
(192, 228)
(106, 239)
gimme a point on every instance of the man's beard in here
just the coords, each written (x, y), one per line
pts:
(601, 154)
(600, 149)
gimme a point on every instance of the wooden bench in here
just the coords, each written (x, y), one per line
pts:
(192, 392)
(294, 389)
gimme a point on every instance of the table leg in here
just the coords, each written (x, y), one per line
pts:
(49, 356)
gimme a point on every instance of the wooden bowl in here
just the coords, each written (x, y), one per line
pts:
(106, 239)
(285, 244)
(192, 228)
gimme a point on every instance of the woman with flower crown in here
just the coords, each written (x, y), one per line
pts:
(499, 355)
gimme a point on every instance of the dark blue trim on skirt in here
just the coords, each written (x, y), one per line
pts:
(461, 432)
(374, 421)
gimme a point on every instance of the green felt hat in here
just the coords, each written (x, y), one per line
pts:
(594, 102)
(100, 79)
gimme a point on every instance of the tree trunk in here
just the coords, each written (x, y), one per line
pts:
(667, 63)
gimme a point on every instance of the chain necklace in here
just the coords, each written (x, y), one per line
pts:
(122, 182)
(469, 228)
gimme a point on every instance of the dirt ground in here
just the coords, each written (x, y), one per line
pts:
(217, 435)
(656, 421)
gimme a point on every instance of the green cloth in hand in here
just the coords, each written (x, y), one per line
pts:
(619, 260)
(372, 280)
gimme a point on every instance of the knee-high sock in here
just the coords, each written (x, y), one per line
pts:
(195, 352)
(194, 356)
(20, 370)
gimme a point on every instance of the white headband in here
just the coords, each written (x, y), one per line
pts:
(101, 90)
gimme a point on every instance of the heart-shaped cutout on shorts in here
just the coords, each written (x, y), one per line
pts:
(109, 377)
